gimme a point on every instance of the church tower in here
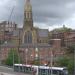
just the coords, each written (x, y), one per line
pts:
(28, 20)
(29, 33)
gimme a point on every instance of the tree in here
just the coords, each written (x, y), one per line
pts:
(63, 62)
(12, 57)
(66, 62)
(70, 49)
(71, 66)
(62, 29)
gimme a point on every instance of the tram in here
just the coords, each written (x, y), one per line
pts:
(43, 70)
(40, 70)
(22, 68)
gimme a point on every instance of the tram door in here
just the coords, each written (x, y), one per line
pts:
(43, 71)
(16, 68)
(48, 72)
(27, 69)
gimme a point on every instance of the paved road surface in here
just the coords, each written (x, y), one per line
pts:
(3, 73)
(9, 71)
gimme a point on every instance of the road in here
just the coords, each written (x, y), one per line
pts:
(9, 71)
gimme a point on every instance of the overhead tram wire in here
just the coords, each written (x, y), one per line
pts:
(19, 39)
(9, 18)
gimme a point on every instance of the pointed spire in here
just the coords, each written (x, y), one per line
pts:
(28, 18)
(27, 1)
(28, 5)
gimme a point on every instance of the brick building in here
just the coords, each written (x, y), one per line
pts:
(70, 38)
(31, 43)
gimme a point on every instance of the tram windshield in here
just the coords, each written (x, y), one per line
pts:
(65, 71)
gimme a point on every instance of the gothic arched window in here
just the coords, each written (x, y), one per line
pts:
(28, 37)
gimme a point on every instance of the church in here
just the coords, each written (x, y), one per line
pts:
(30, 34)
(31, 43)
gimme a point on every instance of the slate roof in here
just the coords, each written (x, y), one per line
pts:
(42, 32)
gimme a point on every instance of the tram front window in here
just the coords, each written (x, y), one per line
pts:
(65, 72)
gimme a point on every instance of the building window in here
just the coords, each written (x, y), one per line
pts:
(39, 41)
(26, 15)
(28, 37)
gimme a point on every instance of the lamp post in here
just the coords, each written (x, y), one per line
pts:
(74, 60)
(0, 55)
(51, 60)
(36, 54)
(32, 59)
(13, 58)
(26, 51)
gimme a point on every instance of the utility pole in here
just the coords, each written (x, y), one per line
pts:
(74, 61)
(18, 50)
(13, 59)
(51, 60)
(4, 32)
(26, 51)
(0, 53)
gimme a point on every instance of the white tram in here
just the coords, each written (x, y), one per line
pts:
(40, 70)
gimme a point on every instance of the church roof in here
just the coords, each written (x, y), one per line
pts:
(42, 32)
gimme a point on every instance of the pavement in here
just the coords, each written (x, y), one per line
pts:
(9, 71)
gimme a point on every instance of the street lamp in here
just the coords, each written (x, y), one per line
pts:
(36, 53)
(31, 58)
(37, 56)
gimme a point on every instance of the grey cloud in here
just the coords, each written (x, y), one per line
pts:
(44, 11)
(57, 10)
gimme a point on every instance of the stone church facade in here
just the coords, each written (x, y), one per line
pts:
(31, 34)
(31, 43)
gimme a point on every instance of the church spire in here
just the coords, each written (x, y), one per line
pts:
(27, 1)
(28, 20)
(28, 6)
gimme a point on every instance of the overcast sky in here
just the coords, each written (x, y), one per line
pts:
(46, 13)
